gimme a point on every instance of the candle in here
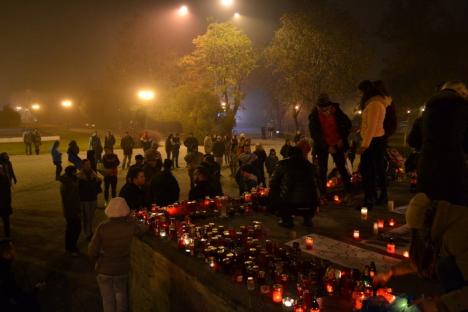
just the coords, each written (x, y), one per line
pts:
(288, 303)
(329, 289)
(337, 199)
(356, 234)
(247, 197)
(277, 293)
(391, 205)
(376, 228)
(314, 307)
(391, 222)
(309, 242)
(363, 213)
(299, 308)
(391, 248)
(380, 223)
(406, 254)
(250, 283)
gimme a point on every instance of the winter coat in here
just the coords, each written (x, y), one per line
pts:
(110, 163)
(146, 143)
(270, 163)
(95, 143)
(56, 156)
(293, 183)
(285, 150)
(134, 196)
(168, 145)
(260, 163)
(343, 124)
(8, 169)
(219, 149)
(415, 136)
(373, 116)
(193, 160)
(89, 186)
(150, 172)
(191, 143)
(176, 144)
(27, 137)
(127, 144)
(208, 145)
(110, 247)
(5, 196)
(74, 158)
(164, 189)
(203, 189)
(109, 141)
(70, 193)
(36, 138)
(443, 170)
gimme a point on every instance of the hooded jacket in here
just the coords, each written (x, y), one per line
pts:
(373, 116)
(69, 191)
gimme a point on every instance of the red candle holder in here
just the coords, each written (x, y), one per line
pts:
(380, 223)
(356, 234)
(309, 242)
(391, 222)
(277, 293)
(336, 200)
(391, 248)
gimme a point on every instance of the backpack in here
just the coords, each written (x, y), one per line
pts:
(390, 123)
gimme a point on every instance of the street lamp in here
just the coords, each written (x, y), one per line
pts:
(227, 3)
(146, 95)
(408, 111)
(35, 107)
(67, 103)
(237, 15)
(183, 11)
(297, 107)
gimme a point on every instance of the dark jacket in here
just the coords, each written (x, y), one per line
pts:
(89, 186)
(110, 247)
(191, 143)
(110, 163)
(127, 144)
(8, 169)
(293, 183)
(342, 121)
(134, 196)
(56, 156)
(69, 191)
(164, 189)
(203, 189)
(176, 144)
(443, 172)
(73, 156)
(5, 196)
(285, 150)
(415, 136)
(109, 141)
(271, 163)
(219, 149)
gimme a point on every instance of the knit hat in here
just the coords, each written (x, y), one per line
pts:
(415, 214)
(117, 208)
(323, 100)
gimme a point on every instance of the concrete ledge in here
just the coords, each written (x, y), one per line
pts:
(20, 139)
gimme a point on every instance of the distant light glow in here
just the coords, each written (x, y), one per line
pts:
(237, 15)
(297, 107)
(183, 11)
(67, 103)
(35, 107)
(423, 109)
(146, 95)
(19, 108)
(227, 3)
(408, 111)
(359, 112)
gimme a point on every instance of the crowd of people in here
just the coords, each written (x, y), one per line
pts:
(298, 183)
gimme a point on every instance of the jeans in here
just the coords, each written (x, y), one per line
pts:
(114, 292)
(72, 233)
(175, 158)
(58, 170)
(373, 169)
(127, 159)
(6, 225)
(340, 162)
(168, 154)
(28, 147)
(110, 181)
(37, 149)
(88, 208)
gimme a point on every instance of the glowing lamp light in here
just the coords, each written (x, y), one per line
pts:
(67, 103)
(237, 15)
(183, 11)
(35, 107)
(356, 234)
(297, 107)
(406, 254)
(146, 95)
(227, 3)
(18, 108)
(364, 213)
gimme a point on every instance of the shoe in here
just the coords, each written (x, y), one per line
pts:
(287, 225)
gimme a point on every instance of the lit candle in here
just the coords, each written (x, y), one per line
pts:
(288, 303)
(277, 293)
(376, 228)
(391, 248)
(391, 205)
(406, 254)
(250, 283)
(337, 199)
(247, 197)
(314, 307)
(380, 223)
(356, 234)
(329, 289)
(391, 222)
(299, 308)
(309, 242)
(363, 213)
(330, 184)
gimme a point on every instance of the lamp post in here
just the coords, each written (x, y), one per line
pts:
(183, 11)
(227, 3)
(146, 96)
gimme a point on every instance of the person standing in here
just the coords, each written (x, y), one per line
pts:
(133, 191)
(271, 162)
(146, 141)
(5, 200)
(37, 141)
(191, 143)
(89, 188)
(110, 162)
(175, 150)
(261, 159)
(109, 250)
(127, 144)
(8, 168)
(293, 189)
(73, 151)
(219, 149)
(109, 141)
(373, 146)
(227, 148)
(286, 148)
(169, 146)
(329, 128)
(95, 146)
(69, 191)
(56, 159)
(208, 144)
(193, 159)
(164, 186)
(28, 141)
(443, 140)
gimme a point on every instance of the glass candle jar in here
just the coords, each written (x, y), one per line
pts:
(309, 242)
(277, 293)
